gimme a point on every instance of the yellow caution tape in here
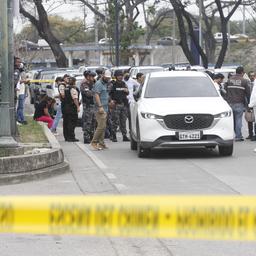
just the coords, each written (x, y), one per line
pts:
(41, 81)
(183, 217)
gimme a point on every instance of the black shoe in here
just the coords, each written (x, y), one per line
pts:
(125, 138)
(239, 139)
(249, 137)
(72, 140)
(253, 138)
(114, 139)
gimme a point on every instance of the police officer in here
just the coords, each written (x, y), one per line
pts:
(88, 118)
(118, 95)
(238, 90)
(70, 108)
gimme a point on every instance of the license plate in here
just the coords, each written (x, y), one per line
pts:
(190, 135)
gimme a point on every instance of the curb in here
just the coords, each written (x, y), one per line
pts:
(23, 168)
(8, 179)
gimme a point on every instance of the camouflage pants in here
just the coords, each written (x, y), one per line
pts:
(118, 118)
(88, 121)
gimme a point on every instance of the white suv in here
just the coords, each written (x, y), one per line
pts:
(180, 109)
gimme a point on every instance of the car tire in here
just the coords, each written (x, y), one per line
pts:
(141, 152)
(226, 150)
(133, 143)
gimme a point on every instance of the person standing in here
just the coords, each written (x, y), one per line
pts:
(22, 93)
(252, 134)
(58, 116)
(252, 103)
(101, 97)
(118, 95)
(88, 118)
(70, 109)
(238, 90)
(218, 80)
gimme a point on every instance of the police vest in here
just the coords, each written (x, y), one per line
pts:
(69, 105)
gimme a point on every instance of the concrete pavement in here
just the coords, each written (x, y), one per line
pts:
(119, 171)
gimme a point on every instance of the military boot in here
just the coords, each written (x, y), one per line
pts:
(125, 138)
(113, 138)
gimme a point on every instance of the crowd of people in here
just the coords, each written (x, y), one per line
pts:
(240, 93)
(106, 100)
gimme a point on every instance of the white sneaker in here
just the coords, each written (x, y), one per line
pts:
(254, 150)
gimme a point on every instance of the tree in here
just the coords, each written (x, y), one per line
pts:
(153, 18)
(67, 31)
(186, 26)
(44, 29)
(224, 29)
(129, 27)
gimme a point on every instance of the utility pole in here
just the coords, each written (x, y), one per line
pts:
(7, 108)
(244, 18)
(96, 23)
(173, 36)
(200, 28)
(117, 43)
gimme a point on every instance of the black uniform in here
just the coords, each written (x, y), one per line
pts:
(119, 114)
(70, 115)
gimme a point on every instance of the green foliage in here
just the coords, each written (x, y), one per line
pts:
(67, 31)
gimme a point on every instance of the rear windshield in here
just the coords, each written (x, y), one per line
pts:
(165, 87)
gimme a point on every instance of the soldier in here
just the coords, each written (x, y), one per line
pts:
(88, 118)
(118, 95)
(70, 108)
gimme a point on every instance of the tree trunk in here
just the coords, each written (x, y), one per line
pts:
(44, 30)
(210, 46)
(183, 36)
(224, 46)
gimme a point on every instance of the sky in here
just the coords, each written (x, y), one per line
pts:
(71, 11)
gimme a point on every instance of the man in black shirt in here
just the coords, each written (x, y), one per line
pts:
(118, 95)
(70, 109)
(88, 119)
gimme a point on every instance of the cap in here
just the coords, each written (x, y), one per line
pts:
(107, 73)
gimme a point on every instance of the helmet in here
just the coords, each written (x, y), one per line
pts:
(89, 73)
(99, 71)
(118, 73)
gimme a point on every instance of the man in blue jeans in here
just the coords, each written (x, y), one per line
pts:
(238, 90)
(58, 115)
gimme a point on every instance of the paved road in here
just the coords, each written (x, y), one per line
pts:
(119, 171)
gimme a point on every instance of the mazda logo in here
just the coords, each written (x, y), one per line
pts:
(189, 119)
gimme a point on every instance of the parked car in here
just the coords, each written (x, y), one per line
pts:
(122, 68)
(180, 109)
(144, 69)
(242, 38)
(218, 37)
(89, 68)
(167, 40)
(105, 40)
